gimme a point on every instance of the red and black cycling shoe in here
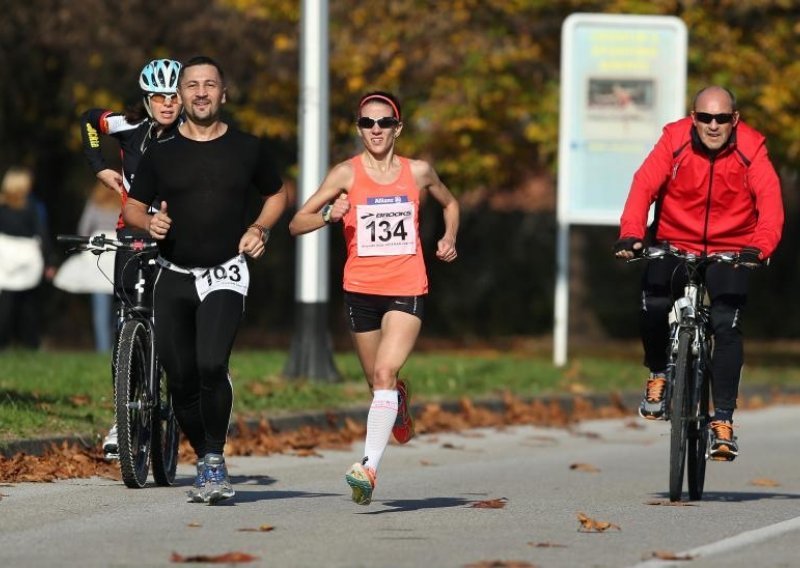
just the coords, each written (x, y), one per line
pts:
(403, 429)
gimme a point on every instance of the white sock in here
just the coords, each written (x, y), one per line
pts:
(381, 417)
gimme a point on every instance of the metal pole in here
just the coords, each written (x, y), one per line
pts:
(561, 315)
(311, 352)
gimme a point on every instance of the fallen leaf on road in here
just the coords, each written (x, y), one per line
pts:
(425, 462)
(501, 564)
(546, 545)
(227, 558)
(590, 435)
(764, 482)
(587, 467)
(490, 504)
(261, 528)
(449, 446)
(665, 555)
(194, 525)
(308, 453)
(588, 524)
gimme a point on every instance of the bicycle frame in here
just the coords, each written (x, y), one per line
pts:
(139, 310)
(692, 312)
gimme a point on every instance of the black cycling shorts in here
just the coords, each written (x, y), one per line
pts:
(365, 311)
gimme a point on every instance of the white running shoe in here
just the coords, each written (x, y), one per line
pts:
(110, 445)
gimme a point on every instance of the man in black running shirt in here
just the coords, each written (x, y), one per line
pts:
(203, 172)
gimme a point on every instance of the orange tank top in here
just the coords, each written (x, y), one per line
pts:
(381, 231)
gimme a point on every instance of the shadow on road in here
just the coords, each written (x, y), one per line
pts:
(733, 497)
(404, 506)
(245, 496)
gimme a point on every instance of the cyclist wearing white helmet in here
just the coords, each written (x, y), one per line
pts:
(134, 130)
(159, 81)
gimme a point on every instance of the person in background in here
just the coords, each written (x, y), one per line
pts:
(135, 130)
(376, 195)
(100, 216)
(25, 256)
(715, 190)
(204, 173)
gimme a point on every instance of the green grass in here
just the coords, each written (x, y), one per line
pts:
(68, 393)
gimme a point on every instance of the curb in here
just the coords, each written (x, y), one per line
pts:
(331, 419)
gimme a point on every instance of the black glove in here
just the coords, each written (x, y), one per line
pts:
(629, 244)
(750, 257)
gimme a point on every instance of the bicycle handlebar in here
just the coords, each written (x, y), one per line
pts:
(101, 243)
(655, 253)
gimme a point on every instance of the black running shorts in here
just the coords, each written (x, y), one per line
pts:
(365, 311)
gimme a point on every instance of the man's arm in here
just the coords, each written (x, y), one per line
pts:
(766, 186)
(647, 182)
(254, 240)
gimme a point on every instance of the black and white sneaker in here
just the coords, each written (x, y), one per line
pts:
(722, 444)
(654, 402)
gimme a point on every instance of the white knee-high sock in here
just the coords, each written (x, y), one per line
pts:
(381, 417)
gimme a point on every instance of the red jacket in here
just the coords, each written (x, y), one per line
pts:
(705, 205)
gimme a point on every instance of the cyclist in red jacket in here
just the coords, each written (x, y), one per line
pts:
(715, 190)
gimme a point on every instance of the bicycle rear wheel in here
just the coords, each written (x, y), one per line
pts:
(679, 415)
(698, 440)
(133, 404)
(165, 434)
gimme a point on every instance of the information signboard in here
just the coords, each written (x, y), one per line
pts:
(622, 78)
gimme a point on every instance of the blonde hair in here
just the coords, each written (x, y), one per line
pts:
(16, 186)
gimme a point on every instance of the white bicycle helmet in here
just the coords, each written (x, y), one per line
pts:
(160, 76)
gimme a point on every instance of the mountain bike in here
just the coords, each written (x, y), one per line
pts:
(147, 429)
(689, 371)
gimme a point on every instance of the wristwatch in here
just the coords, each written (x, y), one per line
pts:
(326, 213)
(264, 231)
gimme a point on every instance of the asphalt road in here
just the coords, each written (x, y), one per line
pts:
(423, 514)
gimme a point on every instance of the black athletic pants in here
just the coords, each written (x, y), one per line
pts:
(194, 340)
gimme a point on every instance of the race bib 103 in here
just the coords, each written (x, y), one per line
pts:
(232, 275)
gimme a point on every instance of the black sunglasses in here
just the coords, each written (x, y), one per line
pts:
(707, 117)
(384, 122)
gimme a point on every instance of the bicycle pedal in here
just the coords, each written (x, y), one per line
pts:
(721, 458)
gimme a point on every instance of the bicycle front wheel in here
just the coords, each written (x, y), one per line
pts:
(165, 437)
(133, 403)
(698, 440)
(679, 415)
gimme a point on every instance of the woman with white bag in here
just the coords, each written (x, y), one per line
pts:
(23, 242)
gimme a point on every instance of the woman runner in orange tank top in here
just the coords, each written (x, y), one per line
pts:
(376, 196)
